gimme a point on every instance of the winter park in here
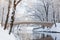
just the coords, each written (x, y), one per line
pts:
(29, 19)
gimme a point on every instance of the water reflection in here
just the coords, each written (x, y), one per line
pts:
(31, 35)
(38, 36)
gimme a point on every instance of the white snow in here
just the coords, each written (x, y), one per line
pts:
(56, 29)
(53, 35)
(5, 36)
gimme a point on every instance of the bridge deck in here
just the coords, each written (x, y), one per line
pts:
(32, 22)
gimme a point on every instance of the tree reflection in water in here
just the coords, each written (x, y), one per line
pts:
(21, 34)
(42, 37)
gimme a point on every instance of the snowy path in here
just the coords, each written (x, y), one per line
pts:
(5, 36)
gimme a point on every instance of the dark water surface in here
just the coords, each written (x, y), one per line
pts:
(43, 36)
(39, 36)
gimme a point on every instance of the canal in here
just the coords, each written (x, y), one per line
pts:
(38, 36)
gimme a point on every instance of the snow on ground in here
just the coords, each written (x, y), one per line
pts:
(57, 28)
(5, 36)
(26, 29)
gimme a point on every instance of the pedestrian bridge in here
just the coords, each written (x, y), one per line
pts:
(48, 24)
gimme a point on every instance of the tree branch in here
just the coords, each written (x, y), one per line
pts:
(18, 2)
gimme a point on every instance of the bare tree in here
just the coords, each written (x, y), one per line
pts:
(15, 3)
(46, 10)
(13, 13)
(2, 17)
(7, 15)
(46, 5)
(54, 15)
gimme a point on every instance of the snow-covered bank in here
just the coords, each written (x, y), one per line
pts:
(4, 35)
(53, 29)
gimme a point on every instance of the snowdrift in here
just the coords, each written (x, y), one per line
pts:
(53, 29)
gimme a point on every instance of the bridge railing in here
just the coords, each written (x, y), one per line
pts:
(48, 24)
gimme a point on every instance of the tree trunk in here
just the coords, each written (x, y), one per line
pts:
(7, 15)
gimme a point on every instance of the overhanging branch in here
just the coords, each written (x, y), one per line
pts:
(18, 2)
